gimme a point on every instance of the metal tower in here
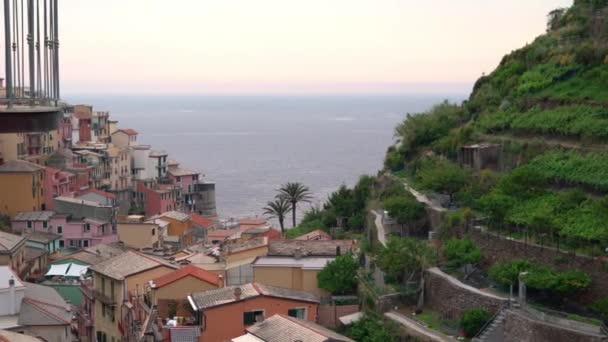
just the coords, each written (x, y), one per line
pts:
(30, 99)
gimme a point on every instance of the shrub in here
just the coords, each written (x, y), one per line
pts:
(340, 275)
(600, 307)
(461, 252)
(404, 209)
(473, 320)
(441, 175)
(372, 329)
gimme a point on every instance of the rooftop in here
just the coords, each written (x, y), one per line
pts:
(158, 153)
(281, 328)
(80, 201)
(315, 235)
(100, 193)
(310, 247)
(8, 241)
(32, 253)
(10, 336)
(178, 172)
(128, 131)
(19, 166)
(42, 305)
(33, 215)
(42, 237)
(123, 265)
(189, 270)
(176, 215)
(310, 263)
(202, 221)
(226, 295)
(7, 273)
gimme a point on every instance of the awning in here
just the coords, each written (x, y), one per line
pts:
(58, 270)
(76, 270)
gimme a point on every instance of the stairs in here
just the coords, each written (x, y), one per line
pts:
(494, 332)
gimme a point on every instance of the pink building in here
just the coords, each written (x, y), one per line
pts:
(82, 233)
(186, 181)
(58, 183)
(156, 198)
(65, 130)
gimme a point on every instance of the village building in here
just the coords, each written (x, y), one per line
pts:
(245, 305)
(58, 183)
(140, 234)
(22, 185)
(282, 328)
(12, 252)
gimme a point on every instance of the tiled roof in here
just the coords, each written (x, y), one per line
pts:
(281, 328)
(189, 270)
(42, 237)
(310, 248)
(128, 131)
(226, 295)
(9, 241)
(33, 215)
(42, 305)
(176, 215)
(101, 193)
(32, 253)
(202, 221)
(178, 172)
(105, 250)
(19, 166)
(314, 235)
(126, 264)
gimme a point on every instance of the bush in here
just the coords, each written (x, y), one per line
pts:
(404, 209)
(441, 175)
(473, 320)
(340, 275)
(461, 252)
(371, 329)
(600, 308)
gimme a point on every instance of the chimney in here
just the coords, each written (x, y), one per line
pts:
(237, 293)
(298, 253)
(221, 281)
(11, 285)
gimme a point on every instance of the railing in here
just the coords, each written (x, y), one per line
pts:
(503, 307)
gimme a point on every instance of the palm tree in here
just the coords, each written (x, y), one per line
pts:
(278, 209)
(294, 193)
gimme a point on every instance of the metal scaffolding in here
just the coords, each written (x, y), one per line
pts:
(31, 51)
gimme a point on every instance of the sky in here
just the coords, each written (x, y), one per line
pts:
(289, 46)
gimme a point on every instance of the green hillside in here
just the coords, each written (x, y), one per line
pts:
(546, 106)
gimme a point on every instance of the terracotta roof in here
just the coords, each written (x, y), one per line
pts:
(128, 131)
(128, 263)
(189, 270)
(9, 241)
(281, 328)
(176, 215)
(101, 193)
(202, 221)
(309, 247)
(315, 235)
(226, 295)
(272, 234)
(19, 166)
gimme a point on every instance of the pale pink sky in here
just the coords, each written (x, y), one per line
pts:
(289, 46)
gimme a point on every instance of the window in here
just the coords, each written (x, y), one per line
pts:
(86, 243)
(45, 224)
(29, 224)
(153, 231)
(59, 230)
(251, 317)
(61, 244)
(299, 313)
(178, 179)
(103, 286)
(87, 227)
(112, 290)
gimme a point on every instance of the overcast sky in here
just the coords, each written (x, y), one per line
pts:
(289, 46)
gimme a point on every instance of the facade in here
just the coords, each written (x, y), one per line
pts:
(158, 160)
(154, 198)
(83, 123)
(12, 146)
(117, 281)
(173, 288)
(101, 127)
(58, 183)
(80, 208)
(22, 185)
(245, 305)
(119, 162)
(12, 252)
(140, 235)
(45, 241)
(180, 226)
(124, 137)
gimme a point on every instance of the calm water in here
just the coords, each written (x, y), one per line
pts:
(249, 145)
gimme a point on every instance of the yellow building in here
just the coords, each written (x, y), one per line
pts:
(298, 273)
(22, 187)
(139, 235)
(12, 146)
(117, 282)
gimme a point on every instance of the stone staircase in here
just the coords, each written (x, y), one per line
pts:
(494, 331)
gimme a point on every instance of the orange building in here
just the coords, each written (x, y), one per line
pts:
(180, 226)
(225, 313)
(21, 187)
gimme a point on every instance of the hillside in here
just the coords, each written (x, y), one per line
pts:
(546, 109)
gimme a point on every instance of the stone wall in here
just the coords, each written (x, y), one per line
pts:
(450, 297)
(496, 249)
(526, 329)
(327, 315)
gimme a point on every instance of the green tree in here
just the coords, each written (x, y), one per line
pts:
(294, 192)
(461, 252)
(404, 209)
(278, 209)
(370, 329)
(340, 275)
(441, 175)
(473, 320)
(404, 258)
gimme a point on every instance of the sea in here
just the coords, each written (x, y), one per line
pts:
(250, 145)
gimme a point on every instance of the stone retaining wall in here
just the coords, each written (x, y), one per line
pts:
(450, 297)
(524, 329)
(495, 249)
